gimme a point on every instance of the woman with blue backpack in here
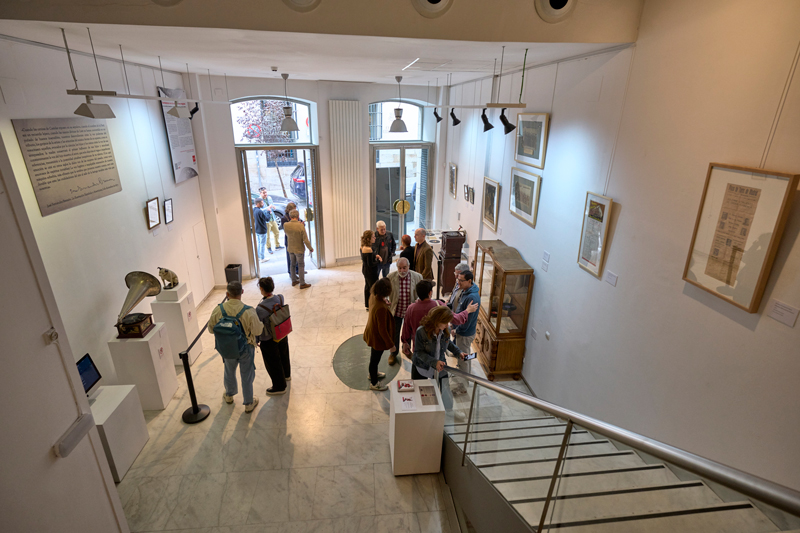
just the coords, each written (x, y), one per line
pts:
(274, 342)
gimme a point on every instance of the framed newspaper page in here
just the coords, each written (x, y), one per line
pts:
(491, 202)
(523, 201)
(531, 141)
(739, 224)
(452, 176)
(596, 214)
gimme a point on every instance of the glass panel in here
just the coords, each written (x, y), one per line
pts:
(413, 192)
(249, 213)
(307, 213)
(512, 312)
(486, 284)
(259, 122)
(381, 116)
(387, 189)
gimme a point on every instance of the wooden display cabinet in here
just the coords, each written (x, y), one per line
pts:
(506, 284)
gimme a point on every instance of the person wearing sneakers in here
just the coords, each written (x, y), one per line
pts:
(235, 327)
(404, 288)
(260, 223)
(275, 354)
(298, 241)
(379, 332)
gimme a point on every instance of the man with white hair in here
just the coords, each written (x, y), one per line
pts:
(384, 247)
(455, 296)
(404, 288)
(423, 255)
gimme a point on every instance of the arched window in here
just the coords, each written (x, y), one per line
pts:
(381, 116)
(258, 121)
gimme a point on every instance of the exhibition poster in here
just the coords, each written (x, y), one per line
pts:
(179, 133)
(70, 161)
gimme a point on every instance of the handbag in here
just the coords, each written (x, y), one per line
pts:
(279, 321)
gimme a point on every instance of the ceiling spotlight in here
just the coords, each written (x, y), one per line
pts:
(436, 114)
(456, 122)
(486, 124)
(398, 126)
(91, 110)
(194, 110)
(507, 126)
(288, 123)
(180, 111)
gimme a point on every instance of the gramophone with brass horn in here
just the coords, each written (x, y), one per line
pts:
(137, 325)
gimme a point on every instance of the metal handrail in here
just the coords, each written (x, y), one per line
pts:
(771, 493)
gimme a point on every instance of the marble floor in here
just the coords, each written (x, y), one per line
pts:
(313, 460)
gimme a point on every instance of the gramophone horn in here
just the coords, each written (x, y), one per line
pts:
(140, 285)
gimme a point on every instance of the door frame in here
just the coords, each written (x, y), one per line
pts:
(244, 190)
(402, 146)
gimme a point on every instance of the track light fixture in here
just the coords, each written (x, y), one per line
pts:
(507, 126)
(436, 114)
(89, 109)
(456, 122)
(486, 124)
(288, 123)
(398, 126)
(180, 111)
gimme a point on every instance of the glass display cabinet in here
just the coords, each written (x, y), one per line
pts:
(505, 281)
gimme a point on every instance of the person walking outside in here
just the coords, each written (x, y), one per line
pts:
(379, 331)
(465, 333)
(260, 225)
(297, 243)
(384, 247)
(369, 264)
(272, 223)
(275, 354)
(235, 327)
(404, 287)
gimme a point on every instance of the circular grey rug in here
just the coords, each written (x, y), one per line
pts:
(351, 364)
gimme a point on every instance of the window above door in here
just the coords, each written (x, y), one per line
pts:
(381, 116)
(257, 120)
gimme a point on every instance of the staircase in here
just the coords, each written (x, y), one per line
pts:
(601, 488)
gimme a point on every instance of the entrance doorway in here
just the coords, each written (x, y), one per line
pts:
(289, 176)
(400, 172)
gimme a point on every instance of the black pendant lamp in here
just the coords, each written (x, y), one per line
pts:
(486, 124)
(456, 122)
(507, 126)
(436, 114)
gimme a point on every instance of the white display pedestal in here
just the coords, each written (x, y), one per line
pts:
(120, 422)
(146, 363)
(415, 437)
(180, 316)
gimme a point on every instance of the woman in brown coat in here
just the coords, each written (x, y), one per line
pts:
(379, 332)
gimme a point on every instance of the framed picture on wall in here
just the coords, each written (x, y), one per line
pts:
(466, 192)
(739, 224)
(523, 198)
(491, 203)
(453, 180)
(472, 195)
(168, 211)
(531, 142)
(153, 213)
(596, 214)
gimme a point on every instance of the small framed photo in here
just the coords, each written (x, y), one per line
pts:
(153, 212)
(531, 141)
(596, 214)
(523, 199)
(491, 203)
(168, 211)
(472, 195)
(741, 218)
(466, 193)
(453, 180)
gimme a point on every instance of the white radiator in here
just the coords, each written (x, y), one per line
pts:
(347, 183)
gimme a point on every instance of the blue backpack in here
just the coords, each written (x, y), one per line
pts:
(231, 340)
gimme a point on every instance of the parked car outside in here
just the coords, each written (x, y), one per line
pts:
(298, 183)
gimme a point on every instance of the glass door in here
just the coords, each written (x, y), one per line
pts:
(401, 173)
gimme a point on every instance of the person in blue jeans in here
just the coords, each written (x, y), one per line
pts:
(465, 333)
(252, 327)
(260, 223)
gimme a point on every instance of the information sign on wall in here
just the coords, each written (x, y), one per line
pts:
(70, 161)
(179, 133)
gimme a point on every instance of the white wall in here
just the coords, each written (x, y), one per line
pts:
(656, 355)
(89, 249)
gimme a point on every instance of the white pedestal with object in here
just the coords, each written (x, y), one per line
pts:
(415, 436)
(120, 422)
(146, 363)
(175, 307)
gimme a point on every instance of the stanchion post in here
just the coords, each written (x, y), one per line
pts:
(196, 413)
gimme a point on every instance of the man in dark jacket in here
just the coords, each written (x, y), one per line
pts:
(260, 223)
(465, 333)
(384, 248)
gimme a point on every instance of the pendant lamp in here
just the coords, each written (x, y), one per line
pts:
(486, 124)
(507, 126)
(456, 121)
(398, 126)
(288, 123)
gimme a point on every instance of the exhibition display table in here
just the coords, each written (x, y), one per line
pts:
(416, 428)
(175, 307)
(120, 422)
(146, 363)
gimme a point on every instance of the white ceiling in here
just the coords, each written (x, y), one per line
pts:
(303, 55)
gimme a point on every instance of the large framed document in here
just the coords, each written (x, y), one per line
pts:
(596, 215)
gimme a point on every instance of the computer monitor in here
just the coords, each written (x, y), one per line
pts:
(88, 372)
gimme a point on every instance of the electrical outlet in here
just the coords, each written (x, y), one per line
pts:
(533, 333)
(546, 256)
(611, 278)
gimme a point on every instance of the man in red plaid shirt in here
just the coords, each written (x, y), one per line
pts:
(404, 290)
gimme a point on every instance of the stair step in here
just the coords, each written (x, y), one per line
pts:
(725, 518)
(495, 457)
(621, 503)
(530, 441)
(600, 461)
(485, 434)
(461, 427)
(599, 481)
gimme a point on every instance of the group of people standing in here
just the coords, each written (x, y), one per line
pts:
(402, 314)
